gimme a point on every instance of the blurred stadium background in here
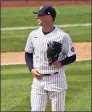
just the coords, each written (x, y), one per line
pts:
(16, 79)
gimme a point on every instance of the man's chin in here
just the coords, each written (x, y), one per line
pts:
(40, 24)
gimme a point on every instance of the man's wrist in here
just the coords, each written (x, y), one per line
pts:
(31, 69)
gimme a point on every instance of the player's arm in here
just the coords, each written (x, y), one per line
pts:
(68, 50)
(29, 52)
(29, 57)
(29, 60)
(29, 63)
(68, 60)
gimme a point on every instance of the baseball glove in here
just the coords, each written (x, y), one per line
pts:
(53, 50)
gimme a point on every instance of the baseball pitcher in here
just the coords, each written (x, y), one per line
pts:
(48, 51)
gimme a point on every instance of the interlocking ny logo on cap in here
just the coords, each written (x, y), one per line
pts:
(48, 12)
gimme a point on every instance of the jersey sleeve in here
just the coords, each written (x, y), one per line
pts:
(67, 46)
(29, 44)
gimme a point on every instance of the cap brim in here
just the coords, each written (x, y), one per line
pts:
(39, 13)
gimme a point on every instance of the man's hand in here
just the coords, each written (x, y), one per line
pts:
(36, 74)
(56, 64)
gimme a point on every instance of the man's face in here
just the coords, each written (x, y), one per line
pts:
(42, 19)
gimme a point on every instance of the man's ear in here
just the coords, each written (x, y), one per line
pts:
(49, 17)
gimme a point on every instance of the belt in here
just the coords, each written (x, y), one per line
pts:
(49, 74)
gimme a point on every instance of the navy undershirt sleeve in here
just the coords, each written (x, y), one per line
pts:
(29, 60)
(68, 60)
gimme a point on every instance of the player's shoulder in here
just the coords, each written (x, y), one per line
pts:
(34, 32)
(62, 33)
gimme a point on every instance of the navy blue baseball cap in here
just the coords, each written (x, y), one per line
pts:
(46, 10)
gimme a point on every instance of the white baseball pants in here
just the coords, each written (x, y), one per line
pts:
(40, 97)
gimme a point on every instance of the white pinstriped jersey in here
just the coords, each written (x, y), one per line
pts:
(37, 44)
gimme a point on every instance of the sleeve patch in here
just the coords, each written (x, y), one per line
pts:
(72, 49)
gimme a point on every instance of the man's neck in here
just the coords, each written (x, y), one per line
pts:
(47, 29)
